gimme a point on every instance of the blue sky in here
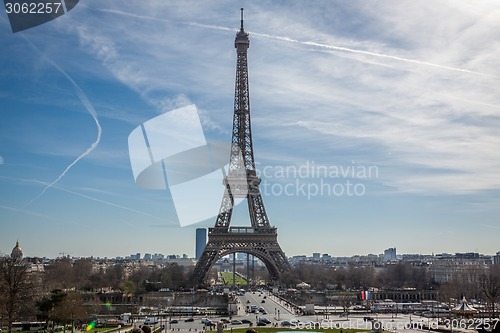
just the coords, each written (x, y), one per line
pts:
(408, 89)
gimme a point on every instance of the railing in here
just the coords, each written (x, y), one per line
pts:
(242, 230)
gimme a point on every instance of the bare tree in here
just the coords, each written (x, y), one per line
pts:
(69, 310)
(489, 283)
(15, 288)
(59, 274)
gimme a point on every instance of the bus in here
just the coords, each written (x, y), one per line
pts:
(28, 326)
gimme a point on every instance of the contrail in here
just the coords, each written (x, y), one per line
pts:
(308, 43)
(99, 200)
(36, 181)
(373, 54)
(89, 107)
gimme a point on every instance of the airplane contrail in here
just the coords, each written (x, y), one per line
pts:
(36, 181)
(370, 53)
(100, 201)
(308, 43)
(89, 107)
(343, 49)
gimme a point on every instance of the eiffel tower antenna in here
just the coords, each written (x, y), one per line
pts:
(241, 19)
(260, 239)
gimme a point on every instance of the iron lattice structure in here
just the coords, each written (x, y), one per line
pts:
(260, 239)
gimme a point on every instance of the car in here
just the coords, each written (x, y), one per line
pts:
(263, 301)
(264, 320)
(246, 321)
(225, 321)
(265, 296)
(286, 323)
(174, 321)
(312, 324)
(263, 312)
(248, 301)
(236, 322)
(204, 320)
(261, 323)
(189, 320)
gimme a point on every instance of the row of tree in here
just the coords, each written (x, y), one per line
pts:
(482, 284)
(56, 292)
(67, 292)
(400, 275)
(81, 274)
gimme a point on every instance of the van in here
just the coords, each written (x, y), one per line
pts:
(151, 321)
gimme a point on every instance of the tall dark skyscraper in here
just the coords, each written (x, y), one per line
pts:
(201, 241)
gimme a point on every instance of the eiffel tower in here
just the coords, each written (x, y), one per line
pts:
(260, 239)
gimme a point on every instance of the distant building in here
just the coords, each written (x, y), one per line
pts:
(158, 256)
(316, 256)
(17, 252)
(496, 259)
(443, 269)
(326, 257)
(147, 256)
(468, 255)
(390, 254)
(136, 256)
(201, 241)
(241, 256)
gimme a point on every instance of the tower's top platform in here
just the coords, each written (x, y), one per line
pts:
(241, 37)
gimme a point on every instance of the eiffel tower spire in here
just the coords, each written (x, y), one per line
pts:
(260, 239)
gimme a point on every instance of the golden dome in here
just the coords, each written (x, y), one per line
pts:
(17, 252)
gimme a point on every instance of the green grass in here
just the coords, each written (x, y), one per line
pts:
(100, 329)
(227, 277)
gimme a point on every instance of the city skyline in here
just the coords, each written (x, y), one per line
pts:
(371, 125)
(151, 255)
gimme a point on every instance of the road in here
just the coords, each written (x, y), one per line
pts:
(278, 312)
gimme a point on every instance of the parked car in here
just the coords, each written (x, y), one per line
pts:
(225, 321)
(174, 321)
(261, 323)
(189, 320)
(264, 320)
(246, 321)
(236, 322)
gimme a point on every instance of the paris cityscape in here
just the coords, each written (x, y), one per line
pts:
(146, 189)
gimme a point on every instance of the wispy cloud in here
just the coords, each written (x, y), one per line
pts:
(25, 211)
(419, 106)
(90, 108)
